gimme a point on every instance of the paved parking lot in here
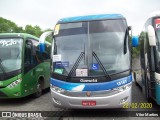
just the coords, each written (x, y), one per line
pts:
(44, 103)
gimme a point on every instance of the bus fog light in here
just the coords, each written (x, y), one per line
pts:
(17, 94)
(123, 100)
(14, 84)
(57, 89)
(56, 101)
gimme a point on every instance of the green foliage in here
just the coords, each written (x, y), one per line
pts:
(33, 30)
(7, 26)
(135, 51)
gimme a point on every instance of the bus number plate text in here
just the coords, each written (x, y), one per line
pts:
(88, 103)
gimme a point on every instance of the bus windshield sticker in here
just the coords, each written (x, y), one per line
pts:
(81, 72)
(8, 42)
(157, 23)
(58, 70)
(56, 58)
(62, 64)
(95, 66)
(56, 30)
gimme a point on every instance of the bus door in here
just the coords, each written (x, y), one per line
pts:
(29, 67)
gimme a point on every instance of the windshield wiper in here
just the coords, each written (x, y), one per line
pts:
(2, 68)
(75, 65)
(101, 65)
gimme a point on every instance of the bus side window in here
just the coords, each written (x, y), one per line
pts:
(28, 56)
(37, 57)
(46, 54)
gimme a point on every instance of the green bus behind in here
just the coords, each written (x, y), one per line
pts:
(23, 68)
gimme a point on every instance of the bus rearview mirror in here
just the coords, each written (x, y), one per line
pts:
(151, 36)
(129, 28)
(42, 47)
(135, 40)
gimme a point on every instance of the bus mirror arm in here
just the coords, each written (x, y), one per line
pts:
(42, 40)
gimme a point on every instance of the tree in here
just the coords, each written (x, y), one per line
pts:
(7, 26)
(36, 30)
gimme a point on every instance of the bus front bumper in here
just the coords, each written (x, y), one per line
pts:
(98, 102)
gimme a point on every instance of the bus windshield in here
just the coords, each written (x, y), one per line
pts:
(157, 28)
(10, 54)
(158, 35)
(102, 43)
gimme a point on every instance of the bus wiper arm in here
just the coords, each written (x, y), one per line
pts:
(75, 65)
(2, 68)
(125, 42)
(101, 65)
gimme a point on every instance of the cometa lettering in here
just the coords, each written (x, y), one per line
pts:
(92, 80)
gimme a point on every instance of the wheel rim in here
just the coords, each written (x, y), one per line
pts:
(39, 89)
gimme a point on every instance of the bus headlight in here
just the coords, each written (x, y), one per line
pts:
(122, 88)
(15, 83)
(57, 89)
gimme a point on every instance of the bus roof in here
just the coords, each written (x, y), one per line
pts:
(91, 17)
(17, 35)
(24, 35)
(154, 14)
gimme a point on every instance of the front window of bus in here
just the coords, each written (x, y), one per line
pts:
(108, 42)
(83, 45)
(69, 44)
(10, 54)
(157, 30)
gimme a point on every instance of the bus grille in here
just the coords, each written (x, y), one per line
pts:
(2, 94)
(93, 93)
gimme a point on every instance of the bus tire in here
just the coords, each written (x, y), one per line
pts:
(39, 89)
(134, 75)
(146, 91)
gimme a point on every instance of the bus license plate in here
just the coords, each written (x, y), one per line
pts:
(88, 103)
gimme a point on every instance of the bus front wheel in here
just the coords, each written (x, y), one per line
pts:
(39, 89)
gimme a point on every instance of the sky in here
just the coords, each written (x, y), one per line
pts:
(45, 13)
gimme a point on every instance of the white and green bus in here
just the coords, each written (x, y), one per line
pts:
(23, 68)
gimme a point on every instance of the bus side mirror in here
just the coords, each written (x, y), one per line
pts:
(129, 28)
(151, 36)
(42, 47)
(135, 40)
